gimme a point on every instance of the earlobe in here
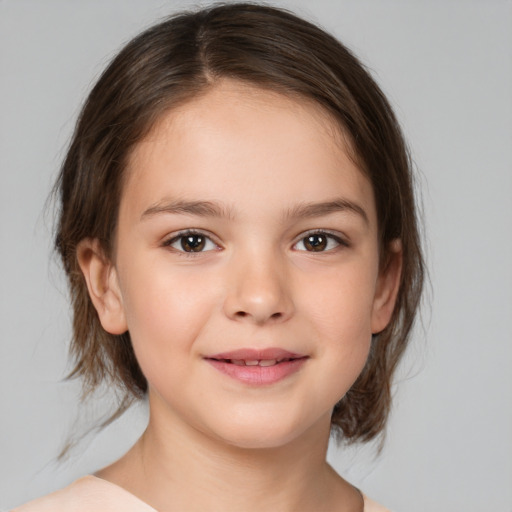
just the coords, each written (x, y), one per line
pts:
(386, 291)
(102, 283)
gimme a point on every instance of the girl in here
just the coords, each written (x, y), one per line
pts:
(238, 227)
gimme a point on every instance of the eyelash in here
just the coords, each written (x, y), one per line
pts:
(329, 237)
(340, 242)
(189, 233)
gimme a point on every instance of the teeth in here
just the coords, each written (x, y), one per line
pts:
(255, 362)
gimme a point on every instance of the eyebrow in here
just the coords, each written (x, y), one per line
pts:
(306, 210)
(197, 208)
(212, 209)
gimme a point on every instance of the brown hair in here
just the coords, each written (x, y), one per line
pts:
(173, 62)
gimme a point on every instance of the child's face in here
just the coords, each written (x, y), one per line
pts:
(244, 225)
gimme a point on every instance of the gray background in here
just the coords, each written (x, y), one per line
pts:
(447, 66)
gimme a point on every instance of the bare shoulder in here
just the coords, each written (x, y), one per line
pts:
(373, 506)
(70, 499)
(88, 494)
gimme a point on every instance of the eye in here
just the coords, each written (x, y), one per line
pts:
(319, 241)
(191, 242)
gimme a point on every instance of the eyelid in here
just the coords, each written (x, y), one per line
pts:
(174, 237)
(339, 238)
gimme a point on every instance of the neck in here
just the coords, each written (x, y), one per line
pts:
(175, 467)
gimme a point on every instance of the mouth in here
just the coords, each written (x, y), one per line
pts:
(256, 362)
(258, 367)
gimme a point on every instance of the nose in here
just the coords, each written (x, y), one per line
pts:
(259, 290)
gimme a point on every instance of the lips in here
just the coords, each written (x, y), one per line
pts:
(257, 367)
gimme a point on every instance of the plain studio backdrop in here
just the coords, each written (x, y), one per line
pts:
(447, 68)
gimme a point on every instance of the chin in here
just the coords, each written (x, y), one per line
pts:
(265, 434)
(270, 442)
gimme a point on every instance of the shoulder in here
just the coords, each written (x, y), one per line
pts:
(80, 496)
(88, 494)
(372, 506)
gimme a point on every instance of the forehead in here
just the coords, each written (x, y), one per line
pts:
(259, 142)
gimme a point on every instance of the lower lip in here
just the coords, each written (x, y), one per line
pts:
(259, 375)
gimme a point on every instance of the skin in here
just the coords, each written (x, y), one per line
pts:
(213, 442)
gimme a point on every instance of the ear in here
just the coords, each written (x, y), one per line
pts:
(386, 290)
(102, 283)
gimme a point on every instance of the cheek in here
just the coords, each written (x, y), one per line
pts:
(345, 336)
(166, 312)
(340, 313)
(340, 302)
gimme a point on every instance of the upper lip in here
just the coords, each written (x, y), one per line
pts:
(253, 354)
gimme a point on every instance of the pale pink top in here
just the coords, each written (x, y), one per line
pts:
(92, 494)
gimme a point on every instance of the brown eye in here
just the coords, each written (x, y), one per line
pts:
(316, 242)
(193, 243)
(320, 241)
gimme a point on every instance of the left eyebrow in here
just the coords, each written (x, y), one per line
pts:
(326, 208)
(198, 208)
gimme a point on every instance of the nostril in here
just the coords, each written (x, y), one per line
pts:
(273, 316)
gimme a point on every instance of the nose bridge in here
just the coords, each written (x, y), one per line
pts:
(258, 291)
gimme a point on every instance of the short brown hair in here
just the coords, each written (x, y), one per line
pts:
(172, 63)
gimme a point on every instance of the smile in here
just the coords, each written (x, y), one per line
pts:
(256, 362)
(257, 367)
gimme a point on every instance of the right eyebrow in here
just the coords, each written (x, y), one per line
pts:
(183, 207)
(328, 207)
